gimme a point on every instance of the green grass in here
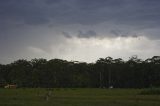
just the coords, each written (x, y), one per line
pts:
(151, 91)
(77, 97)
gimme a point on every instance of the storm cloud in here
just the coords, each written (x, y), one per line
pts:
(50, 27)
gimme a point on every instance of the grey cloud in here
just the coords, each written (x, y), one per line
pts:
(122, 33)
(66, 34)
(24, 11)
(87, 12)
(81, 34)
(87, 34)
(139, 14)
(52, 1)
(41, 23)
(81, 11)
(97, 4)
(115, 32)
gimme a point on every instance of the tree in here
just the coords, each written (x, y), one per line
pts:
(20, 72)
(105, 72)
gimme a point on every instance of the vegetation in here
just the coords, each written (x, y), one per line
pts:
(104, 73)
(151, 91)
(76, 97)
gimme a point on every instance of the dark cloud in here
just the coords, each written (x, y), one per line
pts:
(98, 4)
(81, 34)
(87, 34)
(141, 15)
(27, 12)
(66, 34)
(121, 33)
(137, 13)
(39, 23)
(52, 1)
(115, 32)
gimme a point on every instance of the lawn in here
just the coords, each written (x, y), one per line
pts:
(76, 97)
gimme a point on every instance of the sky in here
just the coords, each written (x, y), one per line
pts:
(81, 30)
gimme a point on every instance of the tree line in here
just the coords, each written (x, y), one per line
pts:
(104, 73)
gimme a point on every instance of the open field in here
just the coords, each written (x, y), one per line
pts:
(76, 97)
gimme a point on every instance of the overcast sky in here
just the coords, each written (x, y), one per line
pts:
(82, 30)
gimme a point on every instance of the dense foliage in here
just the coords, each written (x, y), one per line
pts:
(105, 72)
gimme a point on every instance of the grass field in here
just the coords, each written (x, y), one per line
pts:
(76, 97)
